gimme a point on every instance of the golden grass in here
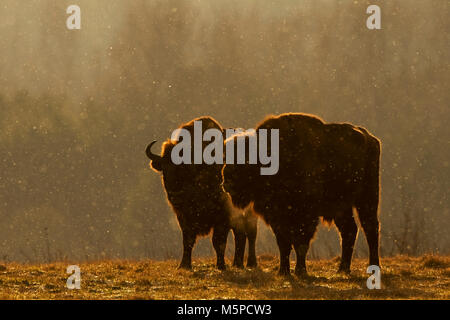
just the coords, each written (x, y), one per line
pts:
(403, 277)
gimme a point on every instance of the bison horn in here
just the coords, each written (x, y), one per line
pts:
(149, 153)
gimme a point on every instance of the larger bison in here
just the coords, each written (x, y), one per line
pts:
(325, 170)
(194, 191)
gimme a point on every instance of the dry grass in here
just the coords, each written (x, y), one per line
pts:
(426, 277)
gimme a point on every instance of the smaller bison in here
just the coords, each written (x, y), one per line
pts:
(195, 193)
(325, 170)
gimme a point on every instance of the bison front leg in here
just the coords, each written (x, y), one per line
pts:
(284, 245)
(188, 244)
(219, 240)
(348, 229)
(251, 229)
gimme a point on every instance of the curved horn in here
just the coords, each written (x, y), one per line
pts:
(150, 155)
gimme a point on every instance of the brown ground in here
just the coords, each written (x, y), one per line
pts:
(426, 277)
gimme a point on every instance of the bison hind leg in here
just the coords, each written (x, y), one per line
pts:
(251, 259)
(367, 214)
(188, 244)
(348, 230)
(239, 247)
(219, 240)
(251, 230)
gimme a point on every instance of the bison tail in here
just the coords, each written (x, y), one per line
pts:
(372, 178)
(368, 201)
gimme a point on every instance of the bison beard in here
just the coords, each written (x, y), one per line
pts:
(194, 191)
(325, 170)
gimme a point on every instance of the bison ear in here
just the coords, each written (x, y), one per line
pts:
(156, 165)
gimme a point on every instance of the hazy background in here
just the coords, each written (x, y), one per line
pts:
(77, 109)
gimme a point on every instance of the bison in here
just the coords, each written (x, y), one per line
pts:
(195, 194)
(325, 170)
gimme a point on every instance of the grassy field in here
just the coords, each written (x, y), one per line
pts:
(426, 277)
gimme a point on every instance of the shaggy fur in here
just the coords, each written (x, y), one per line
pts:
(325, 171)
(194, 191)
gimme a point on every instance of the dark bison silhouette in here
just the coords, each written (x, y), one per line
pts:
(195, 193)
(325, 170)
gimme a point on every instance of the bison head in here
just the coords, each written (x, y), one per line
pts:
(175, 177)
